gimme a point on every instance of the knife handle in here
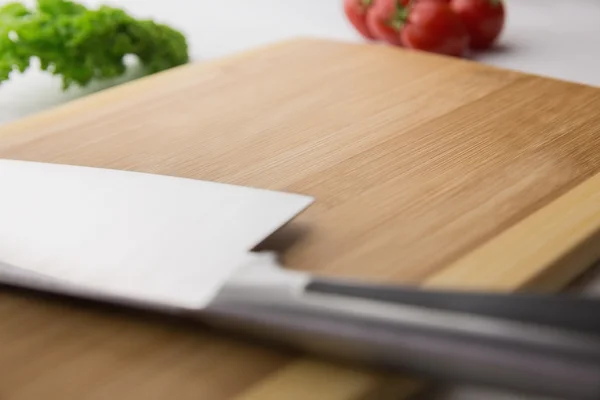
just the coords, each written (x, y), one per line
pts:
(470, 338)
(577, 313)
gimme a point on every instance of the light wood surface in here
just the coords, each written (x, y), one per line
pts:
(426, 170)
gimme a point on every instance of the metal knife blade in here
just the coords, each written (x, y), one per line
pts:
(131, 235)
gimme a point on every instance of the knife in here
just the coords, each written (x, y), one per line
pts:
(182, 246)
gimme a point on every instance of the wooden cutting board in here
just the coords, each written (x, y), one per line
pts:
(427, 170)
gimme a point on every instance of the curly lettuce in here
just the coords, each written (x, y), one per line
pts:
(81, 45)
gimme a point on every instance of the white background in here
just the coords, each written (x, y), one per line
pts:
(559, 39)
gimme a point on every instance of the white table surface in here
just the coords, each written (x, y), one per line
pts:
(559, 39)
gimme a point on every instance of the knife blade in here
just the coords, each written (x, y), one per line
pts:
(131, 235)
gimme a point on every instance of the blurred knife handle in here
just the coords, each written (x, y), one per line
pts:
(404, 333)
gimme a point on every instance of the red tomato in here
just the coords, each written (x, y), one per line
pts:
(484, 20)
(356, 12)
(432, 26)
(385, 19)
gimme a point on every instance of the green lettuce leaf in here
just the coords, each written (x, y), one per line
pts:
(80, 44)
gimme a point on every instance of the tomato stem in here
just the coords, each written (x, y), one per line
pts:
(495, 3)
(400, 16)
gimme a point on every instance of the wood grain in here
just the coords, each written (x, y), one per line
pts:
(426, 170)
